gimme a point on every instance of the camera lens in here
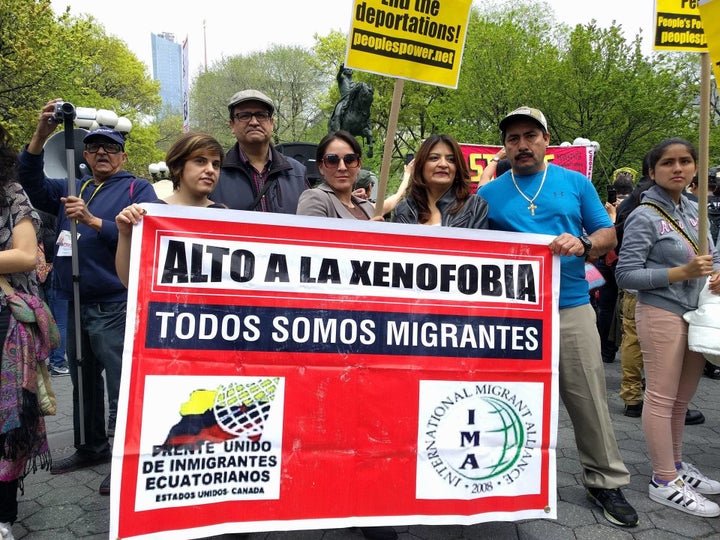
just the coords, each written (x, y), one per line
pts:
(63, 109)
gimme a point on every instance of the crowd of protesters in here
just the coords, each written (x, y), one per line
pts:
(657, 265)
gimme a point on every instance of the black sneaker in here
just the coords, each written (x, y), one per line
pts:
(693, 417)
(379, 533)
(634, 411)
(712, 371)
(616, 509)
(104, 488)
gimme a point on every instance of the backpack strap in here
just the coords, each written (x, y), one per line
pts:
(674, 224)
(268, 184)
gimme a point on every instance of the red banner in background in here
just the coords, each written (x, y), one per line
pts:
(285, 372)
(576, 158)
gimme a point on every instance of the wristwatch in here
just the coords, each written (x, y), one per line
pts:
(587, 245)
(495, 159)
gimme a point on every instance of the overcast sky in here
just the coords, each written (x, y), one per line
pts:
(233, 27)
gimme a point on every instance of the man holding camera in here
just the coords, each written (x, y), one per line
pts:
(99, 199)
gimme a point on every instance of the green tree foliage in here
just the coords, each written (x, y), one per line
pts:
(288, 75)
(142, 149)
(328, 56)
(715, 123)
(613, 95)
(590, 81)
(28, 38)
(43, 57)
(169, 128)
(508, 52)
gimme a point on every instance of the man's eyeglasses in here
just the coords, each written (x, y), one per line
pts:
(331, 161)
(110, 148)
(260, 116)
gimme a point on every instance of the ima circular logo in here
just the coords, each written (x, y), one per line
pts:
(477, 438)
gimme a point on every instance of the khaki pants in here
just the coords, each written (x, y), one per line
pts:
(583, 391)
(631, 358)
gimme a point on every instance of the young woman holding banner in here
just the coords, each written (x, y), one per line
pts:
(194, 161)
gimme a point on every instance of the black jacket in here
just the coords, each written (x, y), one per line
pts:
(627, 206)
(236, 189)
(473, 214)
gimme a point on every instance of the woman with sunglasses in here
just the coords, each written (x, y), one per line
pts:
(338, 157)
(440, 188)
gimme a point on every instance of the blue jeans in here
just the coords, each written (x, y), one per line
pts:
(102, 339)
(59, 309)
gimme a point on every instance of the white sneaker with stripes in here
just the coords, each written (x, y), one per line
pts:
(6, 531)
(697, 480)
(677, 494)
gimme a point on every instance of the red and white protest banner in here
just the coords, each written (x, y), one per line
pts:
(285, 372)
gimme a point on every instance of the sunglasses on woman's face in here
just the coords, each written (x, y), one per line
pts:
(331, 161)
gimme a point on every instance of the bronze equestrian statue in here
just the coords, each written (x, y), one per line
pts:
(352, 112)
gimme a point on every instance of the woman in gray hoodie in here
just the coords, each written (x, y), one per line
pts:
(659, 258)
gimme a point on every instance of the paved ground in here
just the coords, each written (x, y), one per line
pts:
(68, 506)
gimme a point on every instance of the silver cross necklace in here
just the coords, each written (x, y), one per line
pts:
(532, 206)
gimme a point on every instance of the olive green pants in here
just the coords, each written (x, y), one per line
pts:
(631, 358)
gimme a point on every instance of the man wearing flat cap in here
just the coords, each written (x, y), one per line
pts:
(539, 197)
(100, 197)
(254, 175)
(364, 184)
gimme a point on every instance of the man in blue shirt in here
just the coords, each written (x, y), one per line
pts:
(537, 197)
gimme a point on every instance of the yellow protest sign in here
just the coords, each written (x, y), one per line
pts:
(710, 13)
(678, 26)
(418, 40)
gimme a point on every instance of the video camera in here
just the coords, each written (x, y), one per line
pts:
(63, 110)
(89, 118)
(86, 119)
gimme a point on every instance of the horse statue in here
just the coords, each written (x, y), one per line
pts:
(352, 112)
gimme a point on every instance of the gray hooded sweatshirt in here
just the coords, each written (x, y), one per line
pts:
(651, 246)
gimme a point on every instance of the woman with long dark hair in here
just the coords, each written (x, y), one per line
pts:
(339, 158)
(23, 440)
(660, 258)
(440, 191)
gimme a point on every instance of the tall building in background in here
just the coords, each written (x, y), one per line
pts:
(167, 68)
